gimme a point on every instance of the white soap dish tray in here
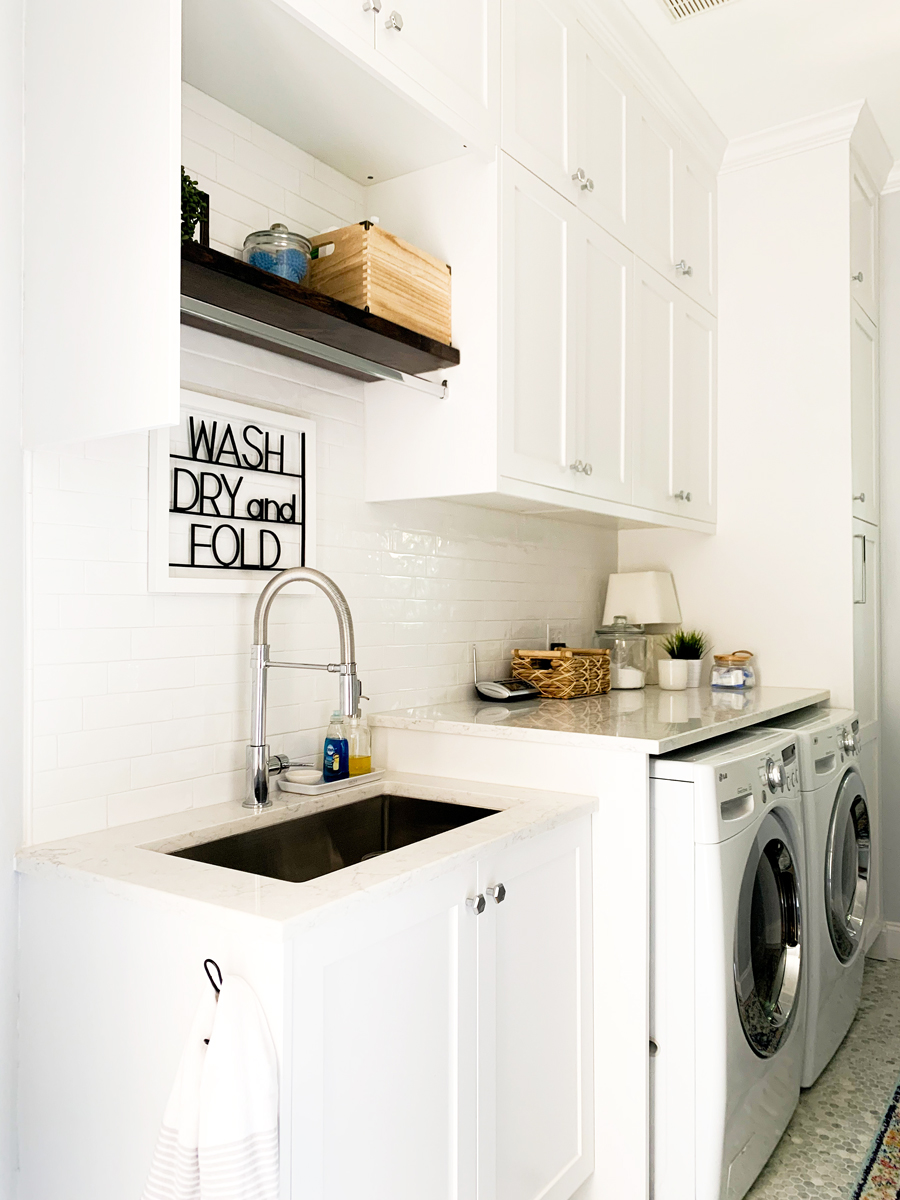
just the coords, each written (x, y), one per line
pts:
(320, 789)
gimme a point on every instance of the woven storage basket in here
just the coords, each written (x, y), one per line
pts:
(571, 673)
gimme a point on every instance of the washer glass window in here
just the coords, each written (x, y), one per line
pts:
(847, 857)
(767, 950)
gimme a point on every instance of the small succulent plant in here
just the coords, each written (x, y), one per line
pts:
(191, 206)
(686, 643)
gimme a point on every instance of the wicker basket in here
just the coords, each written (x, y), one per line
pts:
(563, 674)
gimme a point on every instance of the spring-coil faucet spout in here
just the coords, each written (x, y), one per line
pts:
(259, 763)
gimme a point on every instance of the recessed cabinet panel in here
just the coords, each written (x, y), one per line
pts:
(386, 1064)
(863, 241)
(605, 119)
(866, 622)
(605, 392)
(537, 329)
(657, 147)
(694, 413)
(655, 314)
(452, 50)
(864, 414)
(695, 231)
(349, 14)
(539, 93)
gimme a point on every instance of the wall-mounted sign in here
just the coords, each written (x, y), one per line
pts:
(232, 497)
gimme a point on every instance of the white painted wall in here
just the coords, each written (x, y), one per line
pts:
(11, 608)
(776, 577)
(890, 553)
(140, 701)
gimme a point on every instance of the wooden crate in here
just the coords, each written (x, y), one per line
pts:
(376, 271)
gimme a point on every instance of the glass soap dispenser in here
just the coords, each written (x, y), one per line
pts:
(359, 744)
(627, 646)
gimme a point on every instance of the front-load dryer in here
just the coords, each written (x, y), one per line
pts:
(727, 961)
(838, 861)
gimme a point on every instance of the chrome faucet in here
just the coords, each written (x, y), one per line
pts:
(259, 763)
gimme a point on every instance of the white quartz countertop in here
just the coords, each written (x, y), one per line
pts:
(135, 860)
(647, 719)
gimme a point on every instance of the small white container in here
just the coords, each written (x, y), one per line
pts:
(673, 674)
(694, 671)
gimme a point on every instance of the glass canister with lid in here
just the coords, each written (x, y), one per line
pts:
(733, 672)
(279, 252)
(627, 646)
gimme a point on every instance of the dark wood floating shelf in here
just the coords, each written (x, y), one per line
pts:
(279, 315)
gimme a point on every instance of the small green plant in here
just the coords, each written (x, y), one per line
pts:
(686, 643)
(191, 206)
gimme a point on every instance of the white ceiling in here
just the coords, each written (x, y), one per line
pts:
(753, 64)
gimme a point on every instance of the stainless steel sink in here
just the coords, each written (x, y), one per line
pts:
(322, 842)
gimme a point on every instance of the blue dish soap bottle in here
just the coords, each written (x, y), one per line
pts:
(336, 763)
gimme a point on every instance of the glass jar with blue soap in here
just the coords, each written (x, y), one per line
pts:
(336, 760)
(279, 252)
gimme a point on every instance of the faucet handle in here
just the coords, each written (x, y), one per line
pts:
(278, 763)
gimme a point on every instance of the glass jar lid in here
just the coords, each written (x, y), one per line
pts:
(278, 237)
(621, 628)
(737, 658)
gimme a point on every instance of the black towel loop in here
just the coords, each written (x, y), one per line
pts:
(211, 962)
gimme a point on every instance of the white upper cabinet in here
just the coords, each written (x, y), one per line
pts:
(864, 414)
(451, 50)
(537, 328)
(863, 241)
(349, 21)
(539, 90)
(656, 151)
(695, 229)
(674, 448)
(605, 121)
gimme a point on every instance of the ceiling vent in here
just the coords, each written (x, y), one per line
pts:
(678, 10)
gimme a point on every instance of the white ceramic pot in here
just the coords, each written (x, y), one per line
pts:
(673, 674)
(694, 671)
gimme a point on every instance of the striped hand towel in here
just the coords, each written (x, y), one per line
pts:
(219, 1138)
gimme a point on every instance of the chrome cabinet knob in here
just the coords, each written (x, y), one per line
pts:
(497, 893)
(858, 277)
(588, 469)
(371, 5)
(682, 495)
(394, 21)
(861, 497)
(580, 177)
(588, 185)
(683, 269)
(577, 465)
(476, 903)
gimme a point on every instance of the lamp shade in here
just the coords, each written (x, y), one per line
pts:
(644, 597)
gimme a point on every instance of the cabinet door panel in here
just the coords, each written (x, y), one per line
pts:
(539, 90)
(384, 1067)
(657, 147)
(535, 1028)
(864, 414)
(605, 392)
(866, 624)
(655, 318)
(605, 121)
(452, 50)
(537, 324)
(863, 241)
(694, 415)
(695, 230)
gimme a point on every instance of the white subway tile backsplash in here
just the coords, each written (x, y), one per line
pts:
(140, 700)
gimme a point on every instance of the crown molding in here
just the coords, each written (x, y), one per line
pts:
(624, 38)
(796, 137)
(892, 183)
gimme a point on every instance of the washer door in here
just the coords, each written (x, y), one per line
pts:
(847, 856)
(767, 942)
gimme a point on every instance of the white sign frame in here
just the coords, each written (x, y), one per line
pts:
(236, 582)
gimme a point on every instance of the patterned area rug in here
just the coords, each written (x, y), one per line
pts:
(880, 1178)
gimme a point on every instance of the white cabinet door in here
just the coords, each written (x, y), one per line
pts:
(535, 1018)
(605, 399)
(605, 121)
(656, 149)
(539, 89)
(866, 646)
(384, 1056)
(864, 414)
(346, 21)
(695, 229)
(451, 49)
(537, 329)
(101, 336)
(675, 436)
(863, 240)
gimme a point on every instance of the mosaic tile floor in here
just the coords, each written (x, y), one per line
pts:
(825, 1144)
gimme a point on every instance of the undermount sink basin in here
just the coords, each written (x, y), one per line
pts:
(322, 842)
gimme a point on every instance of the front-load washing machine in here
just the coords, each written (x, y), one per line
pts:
(838, 859)
(727, 961)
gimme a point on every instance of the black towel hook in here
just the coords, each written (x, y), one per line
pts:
(211, 962)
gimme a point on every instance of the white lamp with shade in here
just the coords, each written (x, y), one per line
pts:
(633, 600)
